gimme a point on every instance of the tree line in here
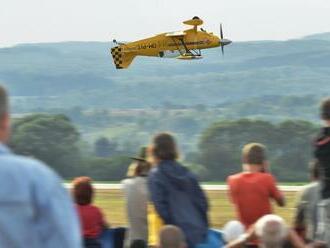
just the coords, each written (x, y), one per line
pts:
(55, 140)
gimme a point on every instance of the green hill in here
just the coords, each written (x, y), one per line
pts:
(68, 74)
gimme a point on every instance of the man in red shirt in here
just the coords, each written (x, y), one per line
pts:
(252, 189)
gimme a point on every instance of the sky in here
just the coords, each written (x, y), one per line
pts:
(34, 21)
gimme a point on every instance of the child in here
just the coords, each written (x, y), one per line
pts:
(252, 190)
(322, 149)
(91, 217)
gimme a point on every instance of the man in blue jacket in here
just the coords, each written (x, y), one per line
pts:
(175, 192)
(35, 210)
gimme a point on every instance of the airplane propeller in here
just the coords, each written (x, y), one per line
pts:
(223, 41)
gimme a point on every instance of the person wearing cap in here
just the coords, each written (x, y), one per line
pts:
(252, 190)
(136, 195)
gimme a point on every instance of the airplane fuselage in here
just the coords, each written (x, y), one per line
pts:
(160, 44)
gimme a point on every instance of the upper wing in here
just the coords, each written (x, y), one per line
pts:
(176, 34)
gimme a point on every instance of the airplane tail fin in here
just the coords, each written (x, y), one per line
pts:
(121, 59)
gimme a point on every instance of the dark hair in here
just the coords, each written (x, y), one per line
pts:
(82, 190)
(142, 168)
(314, 169)
(325, 109)
(164, 147)
(3, 101)
(254, 153)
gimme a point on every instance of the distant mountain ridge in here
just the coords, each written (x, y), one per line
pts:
(322, 36)
(67, 74)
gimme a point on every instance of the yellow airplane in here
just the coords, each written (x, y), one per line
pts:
(185, 44)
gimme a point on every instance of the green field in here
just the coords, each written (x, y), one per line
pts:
(112, 203)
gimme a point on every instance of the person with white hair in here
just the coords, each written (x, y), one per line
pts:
(271, 231)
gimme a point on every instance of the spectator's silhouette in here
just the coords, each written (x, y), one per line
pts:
(175, 191)
(136, 195)
(35, 210)
(91, 218)
(305, 220)
(272, 232)
(322, 149)
(252, 189)
(322, 153)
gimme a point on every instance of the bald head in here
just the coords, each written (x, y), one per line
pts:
(171, 237)
(272, 231)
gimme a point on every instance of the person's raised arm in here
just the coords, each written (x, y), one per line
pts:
(275, 193)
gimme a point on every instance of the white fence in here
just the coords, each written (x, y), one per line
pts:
(110, 186)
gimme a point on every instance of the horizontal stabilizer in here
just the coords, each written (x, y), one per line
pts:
(122, 59)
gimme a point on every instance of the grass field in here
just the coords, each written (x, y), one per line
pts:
(113, 206)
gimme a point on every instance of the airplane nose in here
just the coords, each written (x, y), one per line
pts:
(225, 42)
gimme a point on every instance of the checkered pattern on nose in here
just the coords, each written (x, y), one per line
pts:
(117, 56)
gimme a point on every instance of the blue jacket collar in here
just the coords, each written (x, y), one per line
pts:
(4, 149)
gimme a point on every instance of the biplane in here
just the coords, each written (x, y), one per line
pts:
(185, 45)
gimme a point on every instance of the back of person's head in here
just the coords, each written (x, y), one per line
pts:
(164, 147)
(82, 190)
(142, 168)
(4, 115)
(325, 109)
(171, 237)
(314, 170)
(138, 244)
(254, 153)
(272, 231)
(232, 230)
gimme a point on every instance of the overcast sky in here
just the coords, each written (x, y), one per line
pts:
(23, 21)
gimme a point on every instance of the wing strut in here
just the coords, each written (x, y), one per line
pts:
(184, 45)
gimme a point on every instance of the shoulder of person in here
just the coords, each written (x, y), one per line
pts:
(269, 177)
(306, 190)
(35, 170)
(235, 176)
(32, 164)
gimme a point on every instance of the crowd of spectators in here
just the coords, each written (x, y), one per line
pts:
(166, 206)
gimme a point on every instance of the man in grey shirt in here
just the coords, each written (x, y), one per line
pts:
(306, 220)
